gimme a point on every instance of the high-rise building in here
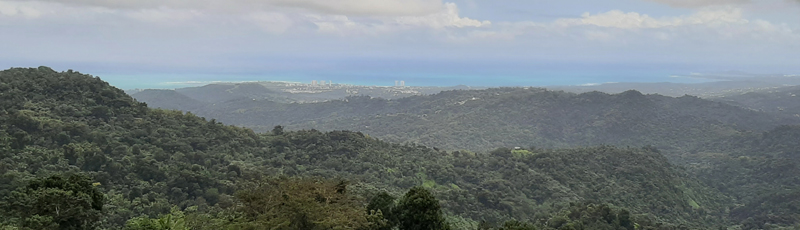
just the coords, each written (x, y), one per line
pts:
(402, 83)
(396, 83)
(313, 82)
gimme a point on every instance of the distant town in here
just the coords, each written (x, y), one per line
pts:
(321, 86)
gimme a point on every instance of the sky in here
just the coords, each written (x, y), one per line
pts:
(172, 43)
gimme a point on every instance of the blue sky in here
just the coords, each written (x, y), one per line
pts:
(147, 43)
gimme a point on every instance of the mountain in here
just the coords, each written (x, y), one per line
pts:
(778, 100)
(761, 170)
(215, 93)
(715, 85)
(152, 162)
(146, 160)
(286, 92)
(168, 99)
(704, 90)
(508, 117)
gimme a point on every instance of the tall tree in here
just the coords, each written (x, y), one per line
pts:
(420, 210)
(69, 202)
(383, 203)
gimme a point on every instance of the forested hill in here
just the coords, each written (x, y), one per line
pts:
(780, 100)
(504, 117)
(761, 171)
(149, 162)
(284, 92)
(169, 99)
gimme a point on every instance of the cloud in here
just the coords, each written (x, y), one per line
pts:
(707, 31)
(449, 17)
(339, 24)
(366, 7)
(272, 22)
(707, 3)
(173, 34)
(700, 3)
(164, 15)
(705, 25)
(341, 7)
(445, 19)
(634, 20)
(17, 9)
(343, 17)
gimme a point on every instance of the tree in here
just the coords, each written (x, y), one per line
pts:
(277, 131)
(516, 225)
(175, 220)
(383, 204)
(420, 210)
(300, 204)
(625, 219)
(70, 202)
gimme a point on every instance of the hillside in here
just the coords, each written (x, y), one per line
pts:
(168, 99)
(215, 93)
(284, 92)
(705, 86)
(147, 161)
(778, 100)
(507, 117)
(761, 171)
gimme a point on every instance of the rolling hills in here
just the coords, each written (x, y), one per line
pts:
(777, 100)
(147, 161)
(151, 163)
(508, 117)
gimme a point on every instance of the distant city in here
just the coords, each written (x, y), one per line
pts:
(336, 90)
(323, 83)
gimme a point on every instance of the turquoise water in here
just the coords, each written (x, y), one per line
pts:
(415, 72)
(540, 78)
(385, 71)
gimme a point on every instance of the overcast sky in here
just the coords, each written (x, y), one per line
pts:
(486, 36)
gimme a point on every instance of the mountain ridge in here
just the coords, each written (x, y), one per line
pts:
(149, 160)
(506, 117)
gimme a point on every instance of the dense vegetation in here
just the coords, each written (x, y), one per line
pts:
(759, 170)
(779, 100)
(482, 120)
(282, 92)
(66, 138)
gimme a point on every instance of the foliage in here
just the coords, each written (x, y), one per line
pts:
(150, 161)
(590, 216)
(761, 171)
(172, 221)
(516, 225)
(382, 206)
(302, 205)
(778, 100)
(420, 210)
(503, 117)
(146, 160)
(68, 202)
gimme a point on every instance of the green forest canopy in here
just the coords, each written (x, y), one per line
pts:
(483, 120)
(169, 168)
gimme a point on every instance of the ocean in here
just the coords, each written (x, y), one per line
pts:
(532, 78)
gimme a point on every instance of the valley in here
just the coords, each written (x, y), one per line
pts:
(500, 158)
